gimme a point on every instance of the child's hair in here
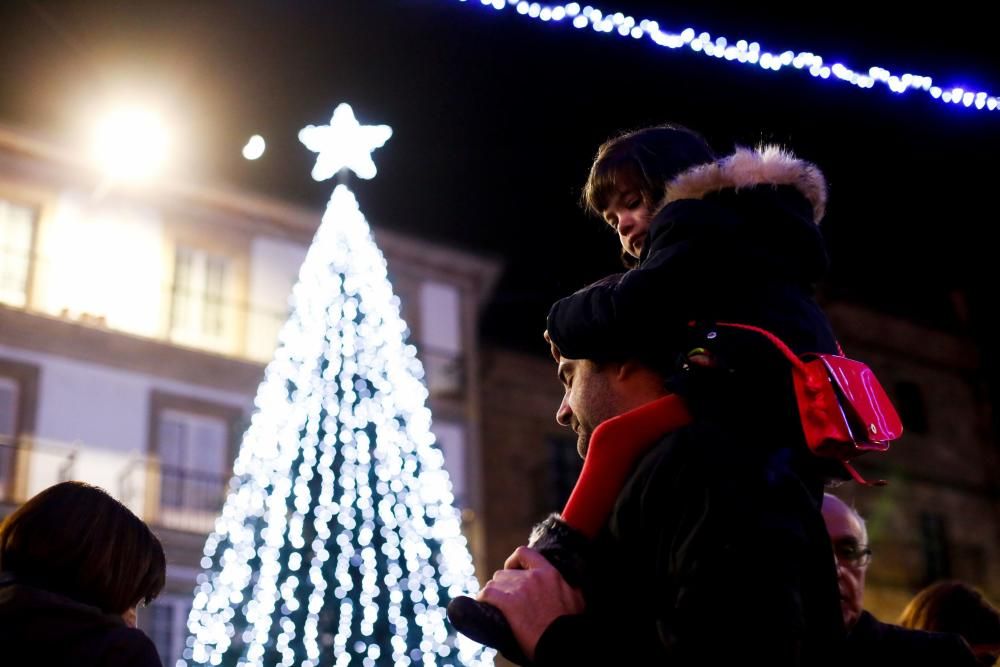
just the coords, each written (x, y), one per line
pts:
(650, 158)
(74, 539)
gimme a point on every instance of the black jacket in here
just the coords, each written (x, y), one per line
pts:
(741, 246)
(872, 643)
(41, 628)
(715, 553)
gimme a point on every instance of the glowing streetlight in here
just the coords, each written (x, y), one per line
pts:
(254, 148)
(130, 144)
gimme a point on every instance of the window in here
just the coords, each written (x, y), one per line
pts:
(201, 313)
(192, 468)
(8, 434)
(451, 439)
(934, 539)
(191, 440)
(190, 444)
(18, 398)
(8, 410)
(274, 270)
(165, 622)
(912, 408)
(16, 226)
(441, 338)
(563, 467)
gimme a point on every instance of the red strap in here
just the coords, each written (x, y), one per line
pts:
(861, 480)
(777, 342)
(825, 431)
(787, 351)
(615, 446)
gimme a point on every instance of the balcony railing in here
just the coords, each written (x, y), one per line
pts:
(26, 467)
(173, 497)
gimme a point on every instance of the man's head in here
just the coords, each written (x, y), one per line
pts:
(598, 391)
(850, 547)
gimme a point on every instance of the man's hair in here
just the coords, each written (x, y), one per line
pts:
(74, 539)
(854, 513)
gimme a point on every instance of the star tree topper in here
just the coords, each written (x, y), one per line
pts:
(344, 144)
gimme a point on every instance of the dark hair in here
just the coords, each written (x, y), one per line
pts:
(952, 606)
(74, 539)
(649, 158)
(652, 157)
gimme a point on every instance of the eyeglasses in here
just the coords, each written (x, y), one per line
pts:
(853, 555)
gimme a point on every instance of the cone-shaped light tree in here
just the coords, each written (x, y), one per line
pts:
(338, 543)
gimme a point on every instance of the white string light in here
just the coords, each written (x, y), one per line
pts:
(339, 542)
(741, 51)
(344, 144)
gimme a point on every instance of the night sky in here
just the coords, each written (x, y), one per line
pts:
(497, 116)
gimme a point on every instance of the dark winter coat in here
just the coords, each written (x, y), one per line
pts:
(872, 643)
(713, 554)
(716, 551)
(41, 628)
(735, 241)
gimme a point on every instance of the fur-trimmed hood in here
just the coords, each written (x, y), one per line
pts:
(747, 168)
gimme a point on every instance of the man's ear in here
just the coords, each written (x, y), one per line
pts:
(627, 369)
(699, 356)
(552, 347)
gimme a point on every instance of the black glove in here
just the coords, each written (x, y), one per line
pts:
(564, 547)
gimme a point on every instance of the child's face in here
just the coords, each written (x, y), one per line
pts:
(628, 213)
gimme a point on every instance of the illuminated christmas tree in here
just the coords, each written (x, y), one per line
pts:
(338, 543)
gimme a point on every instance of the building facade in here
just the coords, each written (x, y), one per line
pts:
(135, 325)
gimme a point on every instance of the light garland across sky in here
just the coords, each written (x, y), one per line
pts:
(741, 50)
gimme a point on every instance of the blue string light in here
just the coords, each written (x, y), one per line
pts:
(742, 51)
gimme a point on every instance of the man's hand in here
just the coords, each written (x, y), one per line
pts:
(531, 594)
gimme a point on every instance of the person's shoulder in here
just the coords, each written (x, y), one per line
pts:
(680, 470)
(42, 628)
(874, 641)
(673, 453)
(933, 648)
(125, 646)
(701, 452)
(698, 455)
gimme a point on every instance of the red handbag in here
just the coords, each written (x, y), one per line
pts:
(843, 408)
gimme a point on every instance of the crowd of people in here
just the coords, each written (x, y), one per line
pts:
(718, 543)
(720, 546)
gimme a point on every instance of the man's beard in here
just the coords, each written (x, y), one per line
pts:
(583, 443)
